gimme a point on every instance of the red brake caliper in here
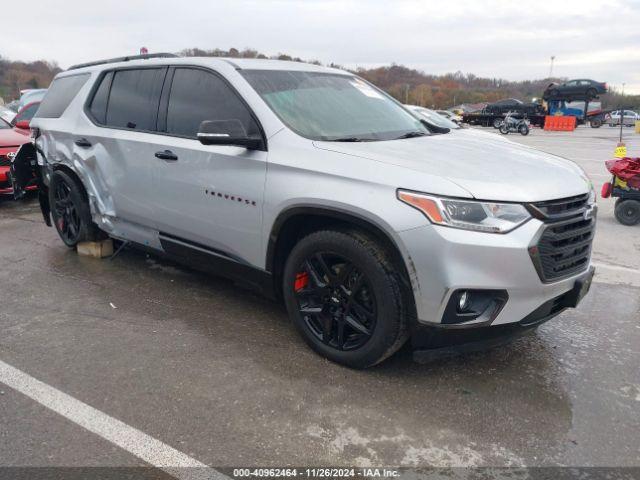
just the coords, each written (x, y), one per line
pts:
(302, 280)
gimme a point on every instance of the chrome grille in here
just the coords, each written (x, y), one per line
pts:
(564, 245)
(561, 208)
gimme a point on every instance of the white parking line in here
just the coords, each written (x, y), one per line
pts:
(130, 439)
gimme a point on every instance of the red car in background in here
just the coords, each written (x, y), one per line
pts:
(12, 136)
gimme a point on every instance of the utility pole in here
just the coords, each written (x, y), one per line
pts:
(553, 57)
(621, 111)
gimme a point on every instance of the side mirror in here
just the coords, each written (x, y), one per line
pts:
(22, 124)
(228, 132)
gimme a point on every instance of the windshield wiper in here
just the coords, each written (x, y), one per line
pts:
(347, 139)
(416, 133)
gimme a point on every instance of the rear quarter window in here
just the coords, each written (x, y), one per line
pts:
(98, 106)
(134, 99)
(60, 94)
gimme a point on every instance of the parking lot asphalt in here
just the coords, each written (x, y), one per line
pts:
(219, 374)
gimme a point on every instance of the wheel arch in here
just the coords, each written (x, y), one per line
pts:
(296, 222)
(62, 167)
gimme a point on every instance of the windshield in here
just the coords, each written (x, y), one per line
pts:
(435, 118)
(32, 96)
(4, 123)
(333, 107)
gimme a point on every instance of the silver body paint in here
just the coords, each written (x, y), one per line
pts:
(134, 195)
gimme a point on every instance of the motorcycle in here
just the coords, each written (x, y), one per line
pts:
(511, 124)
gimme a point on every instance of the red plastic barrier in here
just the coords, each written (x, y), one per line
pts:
(560, 123)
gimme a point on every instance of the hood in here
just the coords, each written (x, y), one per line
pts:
(488, 166)
(13, 137)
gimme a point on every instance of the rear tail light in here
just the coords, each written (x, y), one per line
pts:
(606, 190)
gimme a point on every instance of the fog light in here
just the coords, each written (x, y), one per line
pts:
(463, 301)
(474, 306)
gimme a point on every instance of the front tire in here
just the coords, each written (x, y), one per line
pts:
(627, 212)
(523, 129)
(70, 210)
(345, 298)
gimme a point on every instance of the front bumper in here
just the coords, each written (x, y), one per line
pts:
(442, 260)
(5, 181)
(433, 343)
(6, 186)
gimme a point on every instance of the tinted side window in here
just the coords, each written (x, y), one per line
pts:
(60, 94)
(198, 95)
(133, 101)
(99, 103)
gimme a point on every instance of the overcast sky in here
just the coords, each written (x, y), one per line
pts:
(508, 39)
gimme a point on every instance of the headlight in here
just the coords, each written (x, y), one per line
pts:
(488, 217)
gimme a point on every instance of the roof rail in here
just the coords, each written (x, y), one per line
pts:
(124, 59)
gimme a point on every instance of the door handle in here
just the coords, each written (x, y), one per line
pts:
(83, 142)
(167, 155)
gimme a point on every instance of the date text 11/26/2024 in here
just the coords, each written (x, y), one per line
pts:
(315, 472)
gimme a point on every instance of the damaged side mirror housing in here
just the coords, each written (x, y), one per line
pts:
(228, 132)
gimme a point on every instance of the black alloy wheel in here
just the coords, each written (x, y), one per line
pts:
(336, 301)
(70, 209)
(67, 218)
(346, 297)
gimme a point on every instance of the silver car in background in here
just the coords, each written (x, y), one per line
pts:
(433, 117)
(315, 187)
(628, 118)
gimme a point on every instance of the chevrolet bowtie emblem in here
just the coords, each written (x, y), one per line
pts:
(11, 155)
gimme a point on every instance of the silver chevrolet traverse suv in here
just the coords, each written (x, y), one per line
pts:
(315, 187)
